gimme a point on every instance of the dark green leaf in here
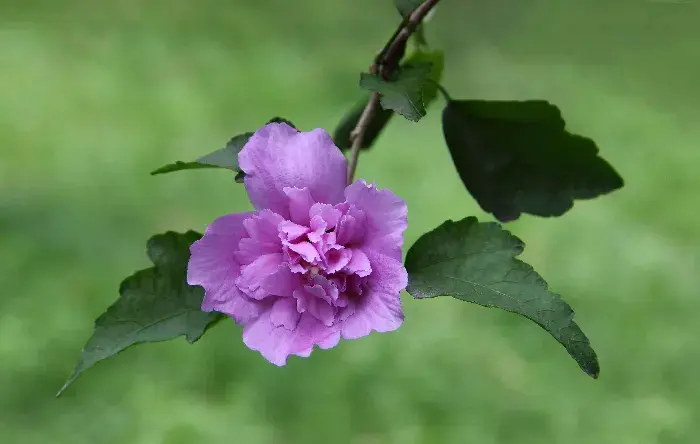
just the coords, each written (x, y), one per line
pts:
(380, 119)
(476, 262)
(406, 7)
(404, 93)
(341, 135)
(517, 157)
(226, 157)
(281, 120)
(179, 165)
(155, 304)
(436, 60)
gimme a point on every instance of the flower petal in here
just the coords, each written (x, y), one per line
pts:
(264, 226)
(306, 250)
(328, 213)
(380, 306)
(277, 156)
(214, 266)
(263, 232)
(232, 225)
(337, 258)
(386, 217)
(330, 342)
(351, 227)
(267, 276)
(313, 299)
(277, 343)
(289, 231)
(284, 313)
(300, 202)
(359, 263)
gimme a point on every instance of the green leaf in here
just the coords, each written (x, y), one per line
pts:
(436, 60)
(179, 165)
(281, 120)
(380, 119)
(226, 157)
(406, 7)
(404, 93)
(418, 36)
(517, 157)
(155, 304)
(476, 262)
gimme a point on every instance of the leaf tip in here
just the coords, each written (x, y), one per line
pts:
(69, 381)
(617, 181)
(62, 389)
(593, 369)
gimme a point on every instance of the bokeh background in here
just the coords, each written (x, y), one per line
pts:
(95, 94)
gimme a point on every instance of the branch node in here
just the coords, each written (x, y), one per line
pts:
(386, 62)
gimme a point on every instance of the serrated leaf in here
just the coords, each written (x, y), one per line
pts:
(226, 157)
(517, 157)
(436, 60)
(476, 262)
(404, 93)
(406, 7)
(380, 119)
(155, 304)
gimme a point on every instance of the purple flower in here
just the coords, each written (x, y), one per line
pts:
(315, 262)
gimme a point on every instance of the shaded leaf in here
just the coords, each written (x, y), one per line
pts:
(380, 119)
(226, 157)
(406, 7)
(341, 135)
(281, 120)
(419, 36)
(404, 93)
(517, 157)
(476, 262)
(155, 304)
(179, 165)
(436, 60)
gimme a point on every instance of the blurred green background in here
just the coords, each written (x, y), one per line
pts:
(95, 94)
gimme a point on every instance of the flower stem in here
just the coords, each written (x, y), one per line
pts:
(384, 65)
(358, 134)
(442, 90)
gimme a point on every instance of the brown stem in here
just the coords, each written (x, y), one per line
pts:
(384, 65)
(358, 134)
